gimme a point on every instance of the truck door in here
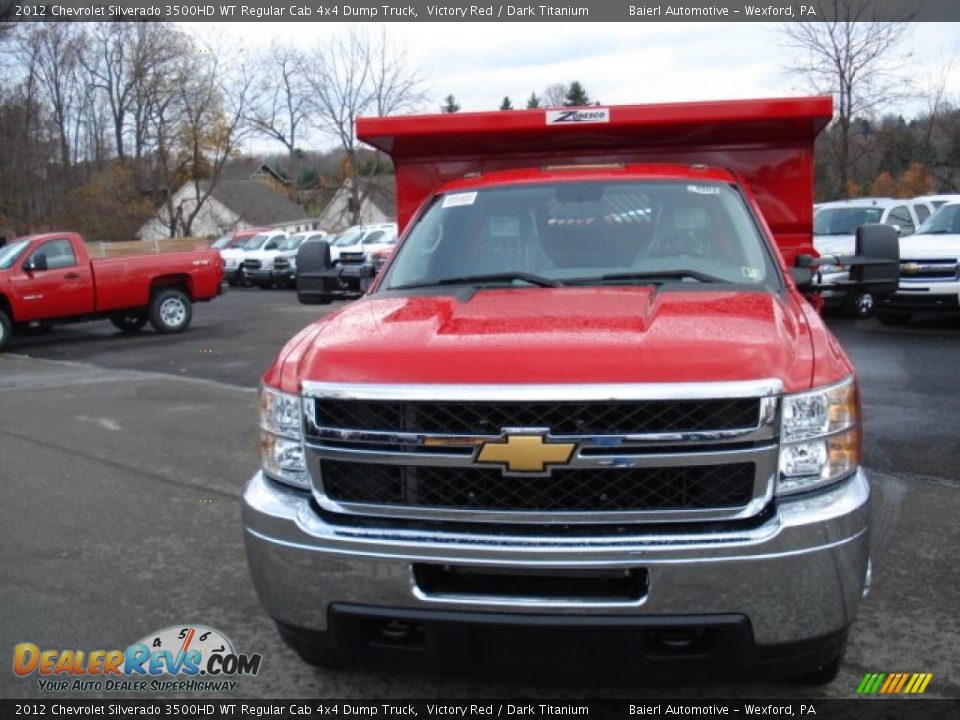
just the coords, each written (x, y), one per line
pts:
(63, 289)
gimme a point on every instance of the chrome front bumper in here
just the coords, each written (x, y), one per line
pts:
(799, 575)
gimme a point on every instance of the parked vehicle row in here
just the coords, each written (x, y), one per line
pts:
(267, 257)
(834, 228)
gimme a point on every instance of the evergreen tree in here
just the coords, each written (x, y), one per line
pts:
(450, 105)
(533, 101)
(576, 95)
(506, 104)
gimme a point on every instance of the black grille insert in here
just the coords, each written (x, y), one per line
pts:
(571, 490)
(563, 418)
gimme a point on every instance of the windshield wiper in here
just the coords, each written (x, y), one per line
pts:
(654, 276)
(481, 279)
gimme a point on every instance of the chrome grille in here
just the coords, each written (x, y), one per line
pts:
(659, 452)
(563, 418)
(927, 270)
(579, 490)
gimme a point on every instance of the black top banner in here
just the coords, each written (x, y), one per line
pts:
(462, 11)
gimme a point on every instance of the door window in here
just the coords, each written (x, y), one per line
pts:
(900, 216)
(59, 254)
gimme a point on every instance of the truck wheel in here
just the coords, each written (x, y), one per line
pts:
(893, 319)
(6, 330)
(306, 299)
(823, 675)
(314, 650)
(129, 322)
(860, 305)
(170, 311)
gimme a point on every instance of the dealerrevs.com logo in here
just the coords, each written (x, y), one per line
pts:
(178, 658)
(571, 117)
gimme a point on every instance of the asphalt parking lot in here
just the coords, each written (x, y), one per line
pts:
(122, 461)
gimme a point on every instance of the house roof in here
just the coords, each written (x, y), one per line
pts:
(256, 203)
(381, 190)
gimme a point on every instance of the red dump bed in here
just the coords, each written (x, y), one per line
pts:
(768, 143)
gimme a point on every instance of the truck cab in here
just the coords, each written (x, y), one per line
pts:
(586, 415)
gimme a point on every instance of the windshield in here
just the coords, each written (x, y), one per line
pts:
(844, 220)
(348, 237)
(10, 253)
(291, 243)
(222, 242)
(944, 221)
(256, 242)
(580, 232)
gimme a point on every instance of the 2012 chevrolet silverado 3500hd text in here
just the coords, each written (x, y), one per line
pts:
(584, 416)
(50, 278)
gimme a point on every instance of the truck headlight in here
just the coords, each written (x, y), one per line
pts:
(281, 438)
(820, 437)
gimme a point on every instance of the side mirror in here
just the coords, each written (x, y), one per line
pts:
(879, 246)
(37, 263)
(313, 257)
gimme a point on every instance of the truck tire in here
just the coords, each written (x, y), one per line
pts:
(893, 319)
(307, 299)
(170, 311)
(314, 650)
(860, 305)
(129, 322)
(823, 675)
(6, 330)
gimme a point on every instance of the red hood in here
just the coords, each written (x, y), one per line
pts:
(563, 335)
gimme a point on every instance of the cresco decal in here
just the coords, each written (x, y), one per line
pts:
(573, 116)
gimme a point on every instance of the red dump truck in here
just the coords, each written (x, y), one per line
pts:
(586, 415)
(50, 278)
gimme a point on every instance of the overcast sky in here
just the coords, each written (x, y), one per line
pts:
(617, 63)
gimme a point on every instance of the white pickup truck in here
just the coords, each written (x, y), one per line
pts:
(277, 265)
(834, 227)
(929, 273)
(234, 257)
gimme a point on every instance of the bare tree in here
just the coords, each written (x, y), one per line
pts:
(198, 123)
(852, 55)
(279, 107)
(352, 75)
(555, 95)
(51, 53)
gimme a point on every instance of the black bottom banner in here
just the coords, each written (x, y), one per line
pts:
(867, 709)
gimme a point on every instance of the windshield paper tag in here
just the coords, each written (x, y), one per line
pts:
(704, 189)
(572, 117)
(752, 273)
(459, 199)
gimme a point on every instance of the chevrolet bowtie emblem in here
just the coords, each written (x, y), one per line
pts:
(911, 268)
(526, 453)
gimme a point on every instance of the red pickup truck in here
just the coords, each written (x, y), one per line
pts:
(586, 415)
(50, 278)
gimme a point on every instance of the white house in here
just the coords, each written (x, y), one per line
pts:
(378, 204)
(231, 205)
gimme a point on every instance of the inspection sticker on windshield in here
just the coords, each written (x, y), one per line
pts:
(704, 189)
(459, 199)
(752, 273)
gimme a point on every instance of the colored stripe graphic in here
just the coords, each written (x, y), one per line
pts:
(894, 683)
